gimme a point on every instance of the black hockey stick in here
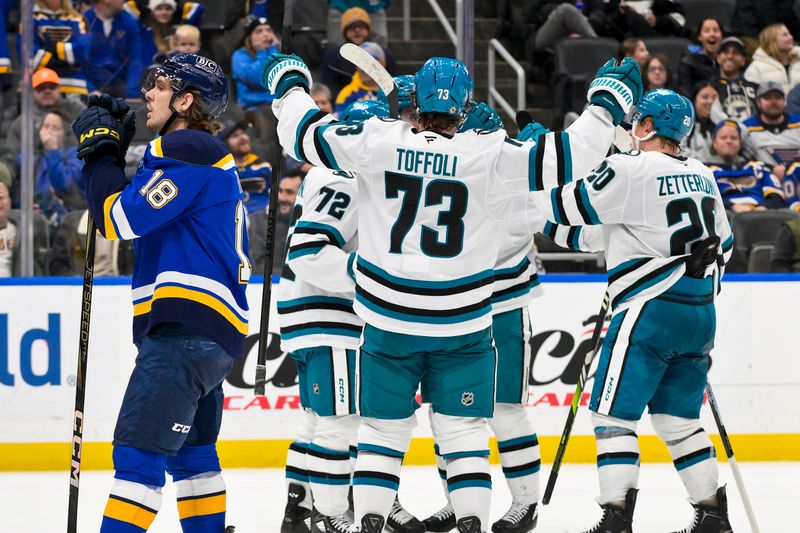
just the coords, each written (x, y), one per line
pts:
(523, 118)
(80, 378)
(576, 400)
(272, 219)
(726, 443)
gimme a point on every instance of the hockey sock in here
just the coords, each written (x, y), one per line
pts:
(200, 489)
(136, 494)
(470, 485)
(617, 457)
(296, 467)
(692, 454)
(441, 466)
(519, 451)
(381, 447)
(328, 462)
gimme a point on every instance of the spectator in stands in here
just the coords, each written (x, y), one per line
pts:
(183, 12)
(744, 185)
(322, 97)
(186, 40)
(791, 186)
(619, 19)
(698, 63)
(5, 57)
(46, 97)
(68, 252)
(635, 48)
(248, 63)
(115, 57)
(698, 143)
(60, 43)
(288, 188)
(776, 59)
(786, 251)
(336, 71)
(8, 233)
(564, 20)
(655, 73)
(376, 9)
(59, 169)
(737, 96)
(254, 174)
(361, 86)
(773, 135)
(156, 30)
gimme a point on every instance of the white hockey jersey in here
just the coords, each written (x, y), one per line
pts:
(653, 207)
(315, 295)
(433, 209)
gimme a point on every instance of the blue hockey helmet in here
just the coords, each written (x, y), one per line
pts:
(672, 114)
(481, 117)
(406, 86)
(443, 86)
(363, 110)
(192, 72)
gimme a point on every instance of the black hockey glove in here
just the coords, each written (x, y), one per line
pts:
(121, 111)
(96, 128)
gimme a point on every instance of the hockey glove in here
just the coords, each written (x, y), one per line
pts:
(481, 116)
(616, 87)
(121, 111)
(284, 71)
(532, 131)
(95, 128)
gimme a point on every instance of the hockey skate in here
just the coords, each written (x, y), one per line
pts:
(334, 524)
(616, 519)
(520, 518)
(469, 524)
(371, 523)
(296, 519)
(711, 518)
(401, 521)
(441, 521)
(230, 529)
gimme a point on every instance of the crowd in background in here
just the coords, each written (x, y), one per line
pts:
(744, 81)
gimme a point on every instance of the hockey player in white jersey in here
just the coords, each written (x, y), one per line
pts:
(431, 205)
(655, 207)
(321, 332)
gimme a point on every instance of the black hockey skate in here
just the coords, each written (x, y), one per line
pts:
(616, 519)
(401, 521)
(520, 518)
(230, 529)
(335, 524)
(441, 521)
(711, 518)
(371, 523)
(296, 519)
(469, 524)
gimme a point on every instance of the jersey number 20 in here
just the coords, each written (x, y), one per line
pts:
(681, 241)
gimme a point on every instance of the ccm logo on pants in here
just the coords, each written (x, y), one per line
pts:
(180, 428)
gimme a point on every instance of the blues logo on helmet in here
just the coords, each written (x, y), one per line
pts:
(190, 71)
(672, 114)
(443, 86)
(364, 109)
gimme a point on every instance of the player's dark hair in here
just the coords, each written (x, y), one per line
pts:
(439, 122)
(198, 119)
(669, 144)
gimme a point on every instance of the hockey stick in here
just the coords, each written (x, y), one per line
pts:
(80, 378)
(363, 60)
(272, 220)
(622, 139)
(726, 443)
(576, 400)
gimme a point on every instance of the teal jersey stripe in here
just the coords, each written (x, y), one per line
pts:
(382, 450)
(327, 147)
(300, 126)
(303, 252)
(553, 202)
(624, 265)
(313, 300)
(567, 157)
(532, 168)
(469, 483)
(527, 439)
(587, 205)
(422, 284)
(511, 270)
(375, 482)
(661, 277)
(421, 318)
(320, 331)
(474, 453)
(322, 227)
(505, 297)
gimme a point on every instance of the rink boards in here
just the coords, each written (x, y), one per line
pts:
(755, 374)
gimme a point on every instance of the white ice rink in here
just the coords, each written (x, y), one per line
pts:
(37, 502)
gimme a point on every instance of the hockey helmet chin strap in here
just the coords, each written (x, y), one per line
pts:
(173, 115)
(636, 139)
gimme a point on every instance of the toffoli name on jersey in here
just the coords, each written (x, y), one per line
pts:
(426, 163)
(684, 183)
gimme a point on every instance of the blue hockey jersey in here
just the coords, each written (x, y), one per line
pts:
(62, 44)
(184, 209)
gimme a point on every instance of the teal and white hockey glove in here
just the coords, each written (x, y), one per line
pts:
(284, 71)
(532, 131)
(616, 87)
(481, 116)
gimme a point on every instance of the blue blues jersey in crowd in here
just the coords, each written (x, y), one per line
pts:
(5, 59)
(61, 43)
(255, 174)
(790, 183)
(186, 13)
(184, 209)
(115, 61)
(747, 183)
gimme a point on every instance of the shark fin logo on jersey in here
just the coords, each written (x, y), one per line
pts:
(467, 399)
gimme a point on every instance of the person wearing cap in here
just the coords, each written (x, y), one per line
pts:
(183, 12)
(776, 59)
(772, 135)
(335, 70)
(376, 10)
(737, 96)
(361, 86)
(745, 185)
(248, 62)
(60, 43)
(115, 53)
(254, 173)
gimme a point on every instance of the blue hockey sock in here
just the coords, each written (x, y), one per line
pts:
(200, 489)
(136, 494)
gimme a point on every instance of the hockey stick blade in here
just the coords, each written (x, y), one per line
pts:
(523, 118)
(622, 139)
(363, 60)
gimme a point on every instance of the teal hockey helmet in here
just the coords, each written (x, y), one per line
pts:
(443, 86)
(364, 109)
(672, 114)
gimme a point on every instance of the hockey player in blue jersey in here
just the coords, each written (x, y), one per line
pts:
(431, 206)
(183, 208)
(660, 213)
